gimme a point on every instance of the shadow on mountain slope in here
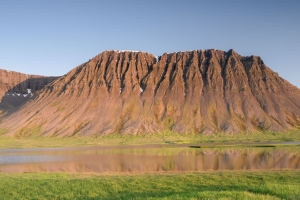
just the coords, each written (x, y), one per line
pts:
(13, 97)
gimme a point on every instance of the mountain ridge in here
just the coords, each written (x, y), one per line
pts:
(16, 87)
(132, 92)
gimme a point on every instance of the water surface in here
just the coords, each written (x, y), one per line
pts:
(149, 158)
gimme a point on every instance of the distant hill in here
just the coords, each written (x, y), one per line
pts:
(16, 88)
(201, 91)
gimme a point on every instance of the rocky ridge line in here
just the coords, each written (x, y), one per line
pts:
(16, 88)
(201, 91)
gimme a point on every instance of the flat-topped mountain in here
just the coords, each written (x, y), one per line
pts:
(201, 91)
(16, 88)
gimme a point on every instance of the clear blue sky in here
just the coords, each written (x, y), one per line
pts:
(50, 37)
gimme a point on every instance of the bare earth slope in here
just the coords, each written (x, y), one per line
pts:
(16, 88)
(203, 91)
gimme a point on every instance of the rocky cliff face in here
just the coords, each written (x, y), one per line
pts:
(16, 88)
(203, 91)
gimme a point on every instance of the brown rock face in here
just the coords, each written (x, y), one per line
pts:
(202, 91)
(16, 88)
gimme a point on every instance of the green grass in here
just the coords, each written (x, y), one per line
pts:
(31, 139)
(200, 185)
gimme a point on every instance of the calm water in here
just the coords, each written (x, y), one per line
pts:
(148, 158)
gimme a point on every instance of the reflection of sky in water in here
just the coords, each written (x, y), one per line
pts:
(103, 159)
(18, 159)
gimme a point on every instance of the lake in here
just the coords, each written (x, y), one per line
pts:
(152, 158)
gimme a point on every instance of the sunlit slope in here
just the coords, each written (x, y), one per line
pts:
(201, 91)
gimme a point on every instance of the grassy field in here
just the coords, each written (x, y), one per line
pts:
(200, 185)
(160, 138)
(187, 185)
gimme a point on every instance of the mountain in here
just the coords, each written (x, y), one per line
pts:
(16, 88)
(201, 91)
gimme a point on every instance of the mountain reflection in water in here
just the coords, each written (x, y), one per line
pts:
(149, 159)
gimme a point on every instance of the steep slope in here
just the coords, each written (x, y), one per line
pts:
(202, 91)
(16, 88)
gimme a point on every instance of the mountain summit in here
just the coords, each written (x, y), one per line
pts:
(201, 91)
